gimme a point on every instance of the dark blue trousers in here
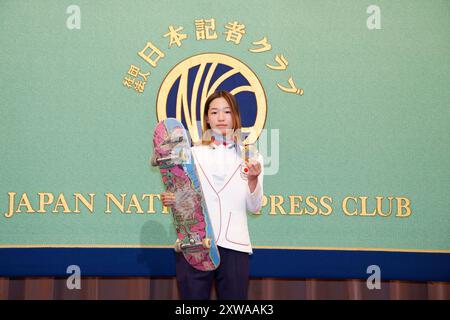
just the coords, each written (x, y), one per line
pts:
(232, 277)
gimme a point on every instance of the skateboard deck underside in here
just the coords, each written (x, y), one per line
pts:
(190, 215)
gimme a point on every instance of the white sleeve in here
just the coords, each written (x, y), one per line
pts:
(254, 199)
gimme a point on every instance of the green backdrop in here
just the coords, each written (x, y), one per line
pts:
(373, 120)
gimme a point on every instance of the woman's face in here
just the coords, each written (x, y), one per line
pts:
(220, 116)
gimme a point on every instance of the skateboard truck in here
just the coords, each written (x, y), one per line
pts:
(171, 159)
(180, 246)
(173, 140)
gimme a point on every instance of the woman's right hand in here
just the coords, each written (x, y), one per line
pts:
(168, 199)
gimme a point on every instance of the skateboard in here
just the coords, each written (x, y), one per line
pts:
(172, 154)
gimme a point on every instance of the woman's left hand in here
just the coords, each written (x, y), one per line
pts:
(254, 169)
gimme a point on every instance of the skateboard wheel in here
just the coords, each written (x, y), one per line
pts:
(177, 246)
(153, 161)
(206, 243)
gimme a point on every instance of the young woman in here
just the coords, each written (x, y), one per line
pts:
(231, 186)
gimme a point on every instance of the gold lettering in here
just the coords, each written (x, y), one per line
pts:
(312, 205)
(276, 204)
(151, 202)
(148, 56)
(10, 212)
(43, 202)
(326, 205)
(344, 206)
(400, 207)
(380, 206)
(296, 205)
(89, 205)
(119, 205)
(61, 202)
(364, 208)
(135, 204)
(24, 201)
(264, 201)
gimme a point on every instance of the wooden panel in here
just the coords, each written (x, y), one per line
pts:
(266, 288)
(39, 288)
(4, 288)
(439, 291)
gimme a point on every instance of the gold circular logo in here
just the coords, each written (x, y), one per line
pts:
(186, 87)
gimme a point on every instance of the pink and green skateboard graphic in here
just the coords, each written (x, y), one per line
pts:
(172, 154)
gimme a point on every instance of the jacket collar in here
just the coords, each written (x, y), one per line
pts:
(218, 139)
